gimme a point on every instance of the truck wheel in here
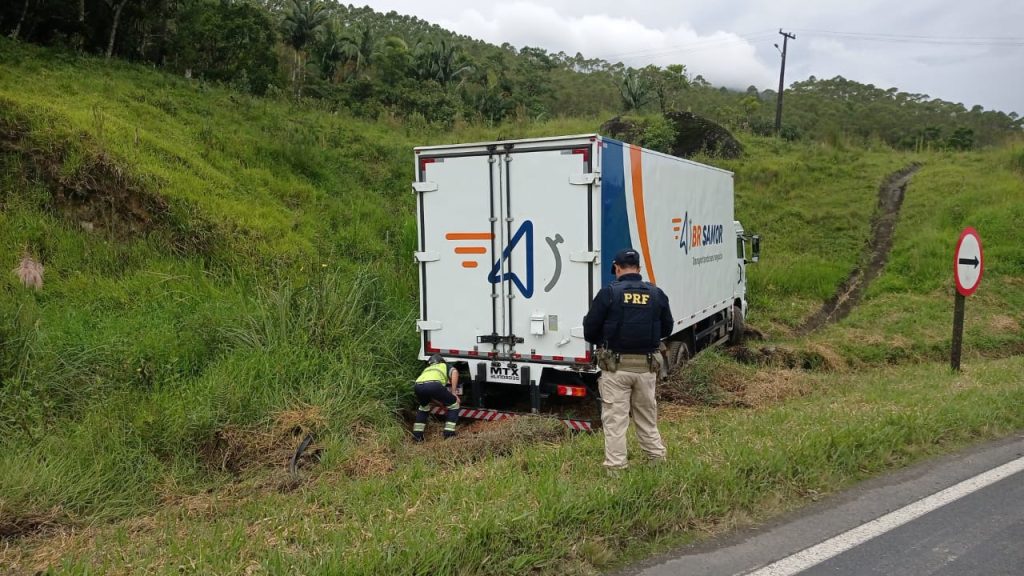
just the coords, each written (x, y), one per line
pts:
(736, 336)
(678, 354)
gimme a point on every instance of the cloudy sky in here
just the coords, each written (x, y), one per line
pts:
(962, 51)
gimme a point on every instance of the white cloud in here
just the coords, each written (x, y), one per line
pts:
(723, 58)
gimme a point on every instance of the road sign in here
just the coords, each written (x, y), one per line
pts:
(968, 264)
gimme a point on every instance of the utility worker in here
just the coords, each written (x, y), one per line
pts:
(627, 320)
(436, 382)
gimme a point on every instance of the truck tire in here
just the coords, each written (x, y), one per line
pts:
(736, 336)
(678, 354)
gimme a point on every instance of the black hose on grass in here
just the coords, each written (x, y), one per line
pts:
(293, 466)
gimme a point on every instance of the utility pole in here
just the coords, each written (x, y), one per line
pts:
(782, 76)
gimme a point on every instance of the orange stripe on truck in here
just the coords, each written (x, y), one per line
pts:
(469, 236)
(471, 250)
(635, 155)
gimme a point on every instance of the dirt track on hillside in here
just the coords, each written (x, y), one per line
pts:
(875, 255)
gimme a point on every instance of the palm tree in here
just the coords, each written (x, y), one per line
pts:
(391, 59)
(332, 53)
(441, 61)
(116, 6)
(635, 90)
(303, 21)
(24, 12)
(358, 49)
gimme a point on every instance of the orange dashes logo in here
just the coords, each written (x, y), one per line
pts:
(469, 236)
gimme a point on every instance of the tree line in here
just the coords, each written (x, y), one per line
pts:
(374, 64)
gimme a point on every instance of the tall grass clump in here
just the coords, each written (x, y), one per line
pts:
(330, 352)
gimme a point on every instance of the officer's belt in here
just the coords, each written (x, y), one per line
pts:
(634, 362)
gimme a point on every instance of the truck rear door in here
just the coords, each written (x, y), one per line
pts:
(506, 251)
(548, 282)
(457, 198)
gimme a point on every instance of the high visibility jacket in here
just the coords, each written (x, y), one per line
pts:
(434, 373)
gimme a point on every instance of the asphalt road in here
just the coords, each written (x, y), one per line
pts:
(957, 515)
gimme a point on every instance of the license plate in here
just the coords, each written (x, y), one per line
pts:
(506, 372)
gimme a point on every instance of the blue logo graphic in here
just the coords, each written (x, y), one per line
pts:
(496, 275)
(684, 235)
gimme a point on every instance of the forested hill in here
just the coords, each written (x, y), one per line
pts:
(377, 65)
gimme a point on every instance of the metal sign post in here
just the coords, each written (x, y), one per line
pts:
(968, 266)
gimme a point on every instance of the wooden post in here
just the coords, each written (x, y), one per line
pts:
(958, 331)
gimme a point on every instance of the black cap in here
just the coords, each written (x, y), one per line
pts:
(626, 258)
(436, 359)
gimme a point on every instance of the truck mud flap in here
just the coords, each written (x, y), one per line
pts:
(496, 415)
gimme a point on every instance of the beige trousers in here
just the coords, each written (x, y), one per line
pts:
(620, 392)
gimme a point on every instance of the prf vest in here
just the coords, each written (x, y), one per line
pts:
(633, 324)
(434, 373)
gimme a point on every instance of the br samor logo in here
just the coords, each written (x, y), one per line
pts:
(691, 235)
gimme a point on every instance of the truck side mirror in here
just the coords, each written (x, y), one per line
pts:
(755, 248)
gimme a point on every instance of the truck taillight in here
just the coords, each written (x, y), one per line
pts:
(577, 391)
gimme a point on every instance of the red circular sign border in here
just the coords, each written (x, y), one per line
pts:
(981, 261)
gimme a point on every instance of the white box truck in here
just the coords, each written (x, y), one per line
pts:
(516, 238)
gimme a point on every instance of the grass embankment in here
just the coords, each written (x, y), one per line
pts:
(908, 312)
(260, 287)
(548, 507)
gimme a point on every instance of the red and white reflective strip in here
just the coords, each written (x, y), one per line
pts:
(496, 415)
(475, 413)
(581, 425)
(585, 359)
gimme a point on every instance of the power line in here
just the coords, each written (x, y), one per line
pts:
(688, 47)
(701, 45)
(713, 43)
(917, 39)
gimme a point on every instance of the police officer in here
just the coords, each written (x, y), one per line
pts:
(436, 382)
(627, 321)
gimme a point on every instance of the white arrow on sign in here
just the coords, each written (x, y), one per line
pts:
(968, 263)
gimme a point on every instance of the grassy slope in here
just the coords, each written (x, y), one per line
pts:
(130, 377)
(908, 312)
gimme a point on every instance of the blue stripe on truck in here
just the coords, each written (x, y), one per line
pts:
(614, 220)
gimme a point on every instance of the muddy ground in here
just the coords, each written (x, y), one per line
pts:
(875, 255)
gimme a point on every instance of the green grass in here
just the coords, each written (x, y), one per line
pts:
(812, 206)
(548, 507)
(149, 389)
(908, 311)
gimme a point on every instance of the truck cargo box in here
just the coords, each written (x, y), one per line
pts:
(516, 238)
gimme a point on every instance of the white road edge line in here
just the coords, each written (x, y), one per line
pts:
(855, 537)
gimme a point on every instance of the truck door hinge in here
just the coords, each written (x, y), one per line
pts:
(585, 257)
(424, 325)
(585, 179)
(424, 186)
(426, 256)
